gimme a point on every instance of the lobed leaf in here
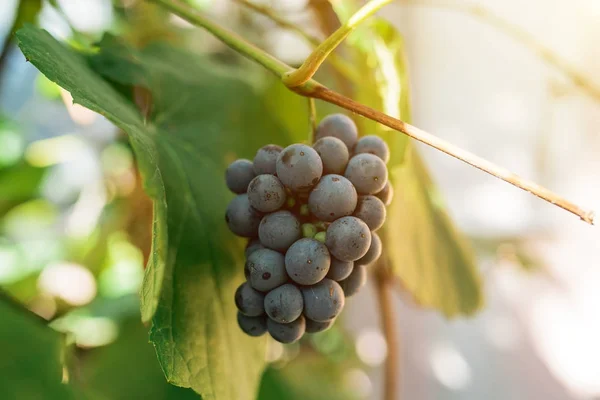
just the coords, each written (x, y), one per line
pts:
(202, 117)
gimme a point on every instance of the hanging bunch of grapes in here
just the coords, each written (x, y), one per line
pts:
(310, 214)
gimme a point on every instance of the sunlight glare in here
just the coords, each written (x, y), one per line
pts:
(70, 282)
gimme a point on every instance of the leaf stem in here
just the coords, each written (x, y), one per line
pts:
(312, 88)
(319, 55)
(312, 118)
(392, 373)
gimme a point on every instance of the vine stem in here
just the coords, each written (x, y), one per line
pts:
(455, 151)
(392, 370)
(319, 55)
(312, 88)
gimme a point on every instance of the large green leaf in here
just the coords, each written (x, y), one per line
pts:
(30, 365)
(127, 368)
(427, 253)
(202, 118)
(308, 377)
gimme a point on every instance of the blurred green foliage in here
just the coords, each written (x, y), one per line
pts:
(31, 363)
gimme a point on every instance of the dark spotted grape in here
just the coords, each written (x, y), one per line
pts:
(373, 145)
(367, 173)
(323, 301)
(299, 167)
(348, 238)
(371, 210)
(307, 261)
(332, 198)
(374, 251)
(333, 153)
(238, 175)
(339, 126)
(266, 193)
(266, 269)
(265, 159)
(252, 326)
(287, 333)
(316, 327)
(242, 219)
(250, 302)
(284, 304)
(357, 279)
(339, 270)
(279, 230)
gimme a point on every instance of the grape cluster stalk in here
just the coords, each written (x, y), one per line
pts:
(310, 215)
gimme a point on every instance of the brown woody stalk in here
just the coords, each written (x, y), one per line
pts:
(392, 370)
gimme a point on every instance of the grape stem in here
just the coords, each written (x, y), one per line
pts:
(312, 119)
(312, 63)
(393, 371)
(314, 89)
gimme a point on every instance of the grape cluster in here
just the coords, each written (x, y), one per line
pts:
(310, 214)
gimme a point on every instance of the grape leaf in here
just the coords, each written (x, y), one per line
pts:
(30, 366)
(307, 377)
(203, 116)
(127, 368)
(427, 253)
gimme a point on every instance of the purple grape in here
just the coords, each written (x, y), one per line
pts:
(374, 251)
(266, 269)
(287, 333)
(284, 304)
(333, 153)
(339, 126)
(242, 219)
(316, 327)
(348, 238)
(367, 173)
(299, 167)
(323, 301)
(238, 175)
(266, 193)
(250, 302)
(279, 230)
(371, 210)
(386, 194)
(252, 326)
(332, 198)
(340, 270)
(266, 158)
(307, 261)
(357, 279)
(374, 145)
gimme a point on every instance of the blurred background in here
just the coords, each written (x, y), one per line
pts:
(74, 220)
